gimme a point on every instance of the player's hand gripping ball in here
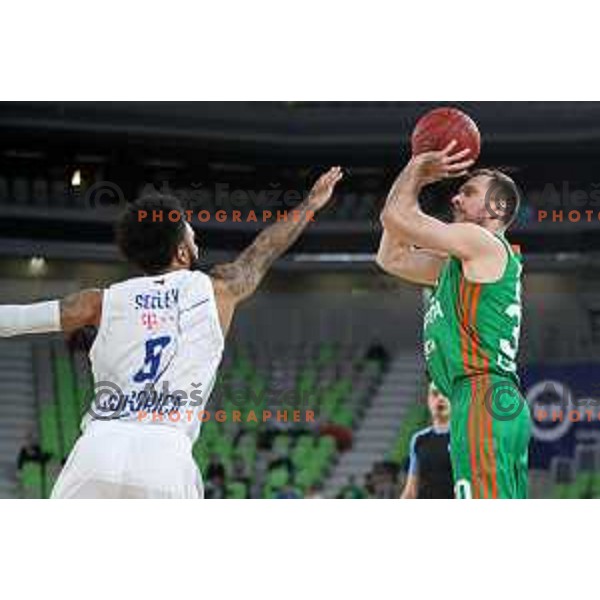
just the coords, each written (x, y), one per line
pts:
(437, 128)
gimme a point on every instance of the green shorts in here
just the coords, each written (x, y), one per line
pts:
(489, 438)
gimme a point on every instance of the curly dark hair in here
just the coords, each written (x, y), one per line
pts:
(148, 243)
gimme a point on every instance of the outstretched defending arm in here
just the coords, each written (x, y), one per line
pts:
(236, 281)
(70, 313)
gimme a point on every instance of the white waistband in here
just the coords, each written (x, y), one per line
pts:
(115, 427)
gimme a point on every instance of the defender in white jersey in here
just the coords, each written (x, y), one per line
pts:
(159, 344)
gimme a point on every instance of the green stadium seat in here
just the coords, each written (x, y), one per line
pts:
(326, 445)
(329, 403)
(304, 479)
(83, 397)
(281, 443)
(416, 418)
(68, 404)
(277, 477)
(342, 388)
(31, 477)
(302, 450)
(564, 491)
(236, 490)
(326, 354)
(342, 416)
(306, 381)
(52, 470)
(584, 484)
(50, 441)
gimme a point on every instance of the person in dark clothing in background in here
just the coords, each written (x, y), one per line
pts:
(215, 479)
(31, 452)
(378, 353)
(430, 469)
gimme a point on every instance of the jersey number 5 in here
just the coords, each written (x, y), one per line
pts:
(154, 348)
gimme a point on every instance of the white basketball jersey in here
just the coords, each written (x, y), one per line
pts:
(157, 351)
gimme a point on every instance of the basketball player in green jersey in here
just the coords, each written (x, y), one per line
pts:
(472, 323)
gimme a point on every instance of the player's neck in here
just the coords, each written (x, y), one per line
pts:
(493, 228)
(175, 267)
(440, 422)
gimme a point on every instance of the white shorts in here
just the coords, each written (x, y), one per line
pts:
(128, 460)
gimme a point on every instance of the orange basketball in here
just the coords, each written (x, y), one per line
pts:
(437, 128)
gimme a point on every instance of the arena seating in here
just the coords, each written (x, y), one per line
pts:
(261, 459)
(576, 477)
(417, 418)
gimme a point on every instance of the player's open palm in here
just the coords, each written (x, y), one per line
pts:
(321, 192)
(430, 167)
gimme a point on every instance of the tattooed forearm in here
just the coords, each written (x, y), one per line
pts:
(245, 274)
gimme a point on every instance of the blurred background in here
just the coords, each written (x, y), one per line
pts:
(327, 323)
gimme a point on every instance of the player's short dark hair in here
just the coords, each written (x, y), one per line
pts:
(150, 243)
(504, 190)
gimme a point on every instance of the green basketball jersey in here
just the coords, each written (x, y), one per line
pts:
(473, 328)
